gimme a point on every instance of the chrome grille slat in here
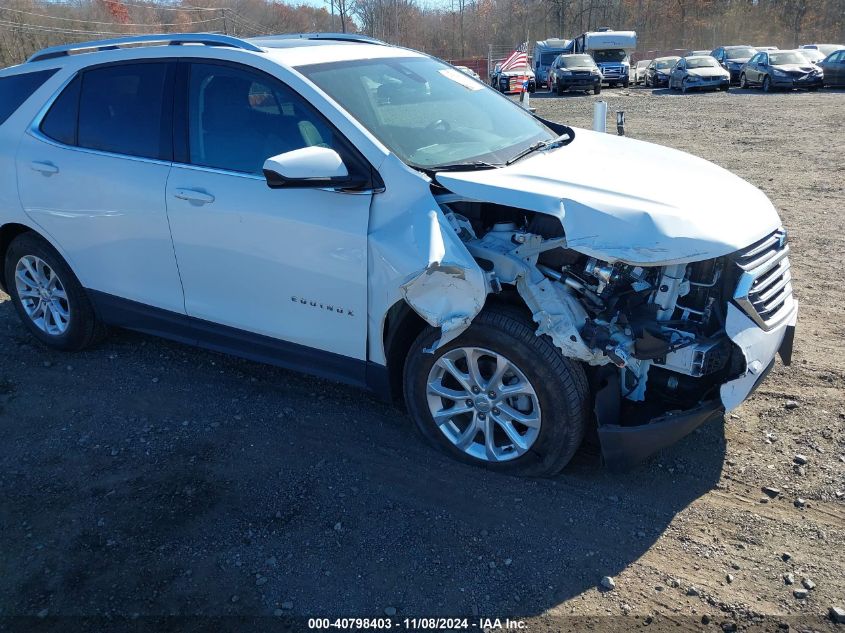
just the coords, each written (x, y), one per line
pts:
(764, 288)
(767, 242)
(767, 293)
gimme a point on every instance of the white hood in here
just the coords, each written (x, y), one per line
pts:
(627, 200)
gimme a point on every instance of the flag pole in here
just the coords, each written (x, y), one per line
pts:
(524, 97)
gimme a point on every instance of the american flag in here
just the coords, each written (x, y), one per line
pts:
(517, 59)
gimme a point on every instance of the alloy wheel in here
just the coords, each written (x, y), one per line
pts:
(483, 404)
(42, 295)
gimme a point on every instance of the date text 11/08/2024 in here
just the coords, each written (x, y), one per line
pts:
(438, 624)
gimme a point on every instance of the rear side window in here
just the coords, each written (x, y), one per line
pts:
(60, 122)
(16, 89)
(119, 109)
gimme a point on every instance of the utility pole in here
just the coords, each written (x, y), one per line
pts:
(225, 25)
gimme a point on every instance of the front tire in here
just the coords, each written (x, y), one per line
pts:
(498, 396)
(597, 90)
(767, 84)
(743, 81)
(48, 297)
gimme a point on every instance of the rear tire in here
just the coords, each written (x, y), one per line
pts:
(48, 297)
(553, 398)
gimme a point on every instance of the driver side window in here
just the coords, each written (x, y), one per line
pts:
(238, 118)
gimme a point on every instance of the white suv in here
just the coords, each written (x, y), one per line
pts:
(369, 214)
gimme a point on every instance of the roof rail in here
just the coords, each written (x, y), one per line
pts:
(338, 37)
(209, 39)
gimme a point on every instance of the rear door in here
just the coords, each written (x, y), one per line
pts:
(92, 174)
(288, 263)
(837, 69)
(752, 68)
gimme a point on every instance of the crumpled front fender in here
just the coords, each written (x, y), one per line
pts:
(450, 291)
(418, 257)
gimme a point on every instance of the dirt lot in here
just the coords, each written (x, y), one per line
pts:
(147, 478)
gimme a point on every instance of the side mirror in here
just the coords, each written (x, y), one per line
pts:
(308, 167)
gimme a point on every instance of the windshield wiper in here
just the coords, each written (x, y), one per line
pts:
(472, 165)
(564, 139)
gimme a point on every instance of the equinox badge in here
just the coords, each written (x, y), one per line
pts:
(324, 306)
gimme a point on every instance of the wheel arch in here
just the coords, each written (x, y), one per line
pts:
(9, 232)
(402, 326)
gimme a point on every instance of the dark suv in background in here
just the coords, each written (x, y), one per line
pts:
(732, 58)
(574, 72)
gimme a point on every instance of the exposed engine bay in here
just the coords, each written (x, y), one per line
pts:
(660, 329)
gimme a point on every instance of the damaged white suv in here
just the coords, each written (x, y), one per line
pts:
(371, 215)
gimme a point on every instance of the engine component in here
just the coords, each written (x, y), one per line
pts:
(697, 359)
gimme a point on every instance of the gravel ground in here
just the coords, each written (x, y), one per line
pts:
(145, 478)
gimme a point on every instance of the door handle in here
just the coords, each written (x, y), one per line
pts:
(46, 168)
(192, 195)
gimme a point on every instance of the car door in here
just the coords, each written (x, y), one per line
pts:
(290, 264)
(835, 69)
(762, 67)
(754, 69)
(749, 70)
(92, 171)
(649, 74)
(677, 74)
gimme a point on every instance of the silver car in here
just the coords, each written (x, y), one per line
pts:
(638, 71)
(701, 72)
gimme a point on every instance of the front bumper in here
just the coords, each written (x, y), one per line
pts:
(802, 82)
(625, 446)
(710, 83)
(659, 81)
(512, 84)
(579, 83)
(735, 73)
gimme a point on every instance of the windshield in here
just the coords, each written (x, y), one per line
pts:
(702, 62)
(577, 61)
(610, 55)
(427, 113)
(788, 57)
(547, 59)
(742, 52)
(644, 63)
(662, 64)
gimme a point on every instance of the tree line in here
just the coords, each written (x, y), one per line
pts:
(453, 29)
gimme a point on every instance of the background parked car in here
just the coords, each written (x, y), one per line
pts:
(833, 67)
(780, 69)
(698, 53)
(732, 58)
(766, 48)
(824, 49)
(701, 72)
(469, 71)
(638, 71)
(812, 54)
(657, 73)
(574, 72)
